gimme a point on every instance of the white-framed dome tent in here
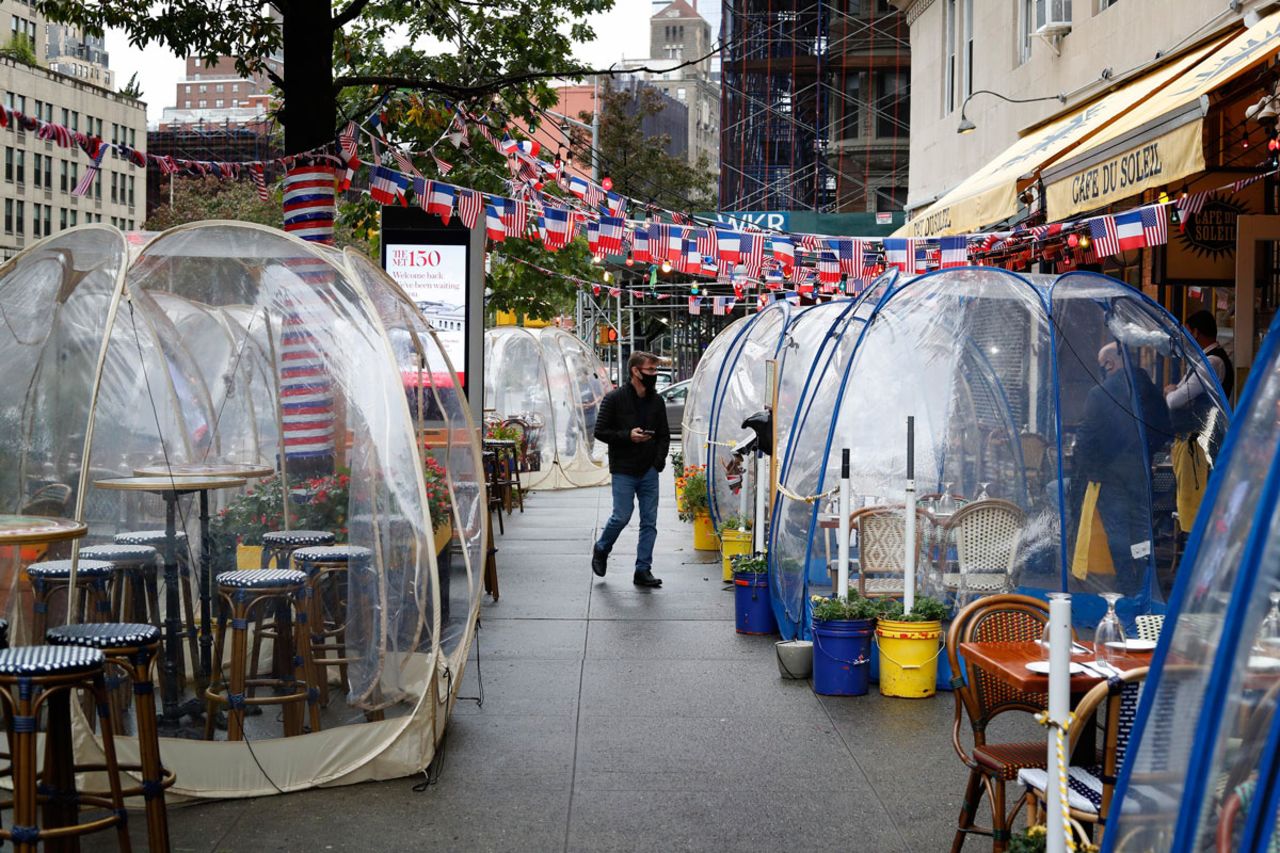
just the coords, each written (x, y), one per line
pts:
(151, 403)
(550, 383)
(696, 422)
(1202, 767)
(989, 362)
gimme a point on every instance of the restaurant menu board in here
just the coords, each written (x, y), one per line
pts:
(435, 278)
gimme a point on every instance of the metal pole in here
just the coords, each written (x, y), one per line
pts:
(595, 130)
(909, 562)
(762, 496)
(621, 380)
(842, 546)
(1059, 708)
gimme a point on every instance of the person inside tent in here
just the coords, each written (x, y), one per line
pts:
(1122, 413)
(1192, 407)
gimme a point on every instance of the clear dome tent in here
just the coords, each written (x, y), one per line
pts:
(702, 387)
(228, 344)
(549, 384)
(1202, 770)
(1002, 375)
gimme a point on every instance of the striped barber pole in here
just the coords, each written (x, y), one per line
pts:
(309, 203)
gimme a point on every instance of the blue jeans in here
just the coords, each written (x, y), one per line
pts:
(626, 489)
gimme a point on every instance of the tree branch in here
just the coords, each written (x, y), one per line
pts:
(273, 76)
(498, 83)
(349, 14)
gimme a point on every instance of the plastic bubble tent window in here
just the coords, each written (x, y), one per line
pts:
(1003, 375)
(546, 385)
(228, 346)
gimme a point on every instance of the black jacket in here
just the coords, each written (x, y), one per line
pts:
(619, 414)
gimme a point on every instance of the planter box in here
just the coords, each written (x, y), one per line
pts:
(704, 534)
(733, 543)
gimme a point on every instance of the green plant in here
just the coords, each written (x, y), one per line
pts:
(1033, 840)
(852, 606)
(925, 609)
(736, 522)
(756, 564)
(695, 500)
(677, 463)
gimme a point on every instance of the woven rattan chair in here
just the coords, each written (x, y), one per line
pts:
(980, 698)
(1091, 785)
(1149, 626)
(882, 548)
(986, 535)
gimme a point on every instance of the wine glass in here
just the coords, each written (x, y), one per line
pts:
(946, 504)
(1269, 633)
(982, 491)
(1108, 638)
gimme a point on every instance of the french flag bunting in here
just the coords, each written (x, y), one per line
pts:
(1129, 231)
(493, 227)
(691, 258)
(593, 237)
(528, 148)
(773, 276)
(611, 228)
(828, 268)
(1155, 224)
(675, 245)
(578, 186)
(728, 245)
(640, 244)
(387, 186)
(507, 145)
(954, 252)
(900, 252)
(784, 253)
(616, 203)
(695, 305)
(469, 204)
(849, 254)
(515, 217)
(554, 226)
(1106, 239)
(615, 292)
(440, 200)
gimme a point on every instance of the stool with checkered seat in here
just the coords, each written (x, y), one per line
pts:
(278, 546)
(131, 648)
(136, 592)
(93, 583)
(4, 633)
(327, 569)
(242, 592)
(42, 678)
(156, 539)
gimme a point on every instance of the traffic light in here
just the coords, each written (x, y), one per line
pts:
(606, 335)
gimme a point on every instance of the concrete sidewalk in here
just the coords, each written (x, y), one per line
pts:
(619, 718)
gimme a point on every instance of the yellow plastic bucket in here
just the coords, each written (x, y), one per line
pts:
(704, 534)
(733, 543)
(908, 657)
(679, 498)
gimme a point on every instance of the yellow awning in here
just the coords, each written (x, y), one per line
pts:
(1159, 141)
(990, 195)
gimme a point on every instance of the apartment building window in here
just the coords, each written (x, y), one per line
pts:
(949, 52)
(73, 219)
(219, 88)
(1050, 11)
(19, 216)
(114, 182)
(48, 219)
(890, 199)
(235, 88)
(968, 48)
(131, 190)
(1026, 26)
(133, 139)
(37, 176)
(97, 124)
(218, 103)
(893, 103)
(20, 166)
(186, 90)
(203, 88)
(39, 105)
(8, 164)
(62, 219)
(97, 189)
(75, 174)
(62, 176)
(851, 120)
(75, 120)
(35, 220)
(8, 216)
(204, 104)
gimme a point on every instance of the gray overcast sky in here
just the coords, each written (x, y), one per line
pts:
(616, 37)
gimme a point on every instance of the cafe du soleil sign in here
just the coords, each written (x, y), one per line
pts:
(1153, 163)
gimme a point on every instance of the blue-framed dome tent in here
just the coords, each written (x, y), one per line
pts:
(1202, 768)
(1003, 375)
(551, 384)
(696, 422)
(191, 347)
(739, 391)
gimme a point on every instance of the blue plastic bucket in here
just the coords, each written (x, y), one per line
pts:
(752, 605)
(842, 657)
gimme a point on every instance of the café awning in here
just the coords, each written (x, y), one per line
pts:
(1159, 141)
(990, 195)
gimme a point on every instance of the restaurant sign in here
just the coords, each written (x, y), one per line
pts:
(1153, 163)
(1212, 232)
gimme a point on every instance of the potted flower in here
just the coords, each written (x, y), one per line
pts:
(735, 539)
(238, 527)
(909, 647)
(842, 643)
(677, 463)
(439, 506)
(682, 481)
(697, 508)
(1032, 840)
(752, 605)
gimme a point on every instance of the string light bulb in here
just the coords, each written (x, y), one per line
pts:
(666, 266)
(1084, 241)
(693, 288)
(1163, 198)
(1072, 240)
(597, 259)
(608, 276)
(630, 261)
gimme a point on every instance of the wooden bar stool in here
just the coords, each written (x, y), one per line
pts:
(156, 539)
(93, 581)
(35, 678)
(279, 545)
(326, 569)
(242, 592)
(136, 591)
(132, 648)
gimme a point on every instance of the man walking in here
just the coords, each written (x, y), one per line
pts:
(633, 422)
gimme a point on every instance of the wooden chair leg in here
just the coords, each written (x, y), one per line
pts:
(999, 820)
(968, 809)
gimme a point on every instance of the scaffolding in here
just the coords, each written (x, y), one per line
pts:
(217, 141)
(815, 106)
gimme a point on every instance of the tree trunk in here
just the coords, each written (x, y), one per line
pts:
(310, 108)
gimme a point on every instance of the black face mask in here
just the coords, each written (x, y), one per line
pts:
(649, 381)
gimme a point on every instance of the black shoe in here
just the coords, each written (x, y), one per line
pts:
(599, 561)
(646, 578)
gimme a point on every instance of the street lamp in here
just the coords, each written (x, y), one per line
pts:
(967, 126)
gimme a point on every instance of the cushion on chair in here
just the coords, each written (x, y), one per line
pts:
(103, 635)
(332, 554)
(119, 553)
(1084, 792)
(262, 579)
(883, 586)
(55, 570)
(146, 537)
(296, 538)
(48, 660)
(1006, 759)
(977, 581)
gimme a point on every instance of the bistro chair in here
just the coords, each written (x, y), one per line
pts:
(326, 568)
(135, 594)
(93, 590)
(980, 698)
(986, 536)
(1149, 626)
(1091, 785)
(882, 536)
